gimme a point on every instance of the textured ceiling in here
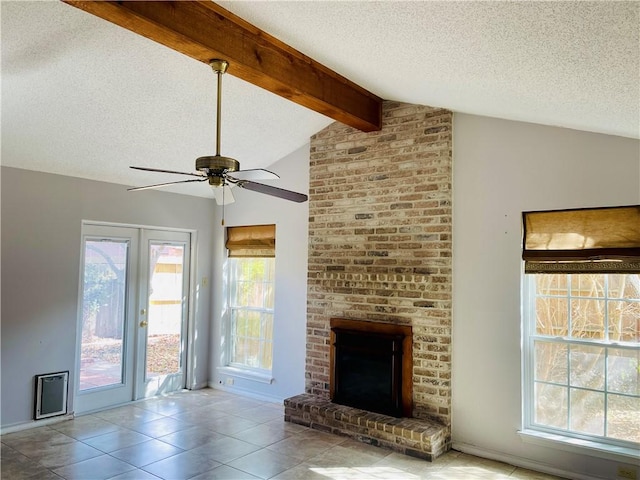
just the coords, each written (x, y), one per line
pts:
(86, 98)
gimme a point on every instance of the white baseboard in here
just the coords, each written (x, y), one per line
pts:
(519, 462)
(35, 424)
(246, 393)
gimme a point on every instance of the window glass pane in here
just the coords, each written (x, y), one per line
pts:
(253, 324)
(588, 319)
(269, 297)
(587, 367)
(248, 294)
(551, 362)
(587, 411)
(551, 405)
(266, 355)
(624, 286)
(252, 284)
(552, 316)
(239, 351)
(588, 285)
(268, 326)
(240, 294)
(252, 346)
(552, 285)
(624, 321)
(623, 417)
(241, 323)
(623, 371)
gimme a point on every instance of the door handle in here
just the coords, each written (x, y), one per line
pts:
(144, 323)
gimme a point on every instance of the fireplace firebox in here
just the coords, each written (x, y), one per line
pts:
(371, 366)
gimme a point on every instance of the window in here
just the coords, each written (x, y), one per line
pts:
(251, 277)
(582, 356)
(251, 312)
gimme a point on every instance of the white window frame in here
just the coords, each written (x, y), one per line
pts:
(600, 446)
(236, 367)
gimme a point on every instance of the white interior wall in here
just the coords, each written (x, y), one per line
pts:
(41, 246)
(502, 168)
(291, 220)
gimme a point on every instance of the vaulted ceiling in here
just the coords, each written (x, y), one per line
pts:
(87, 98)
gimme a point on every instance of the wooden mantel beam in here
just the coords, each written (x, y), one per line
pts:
(204, 30)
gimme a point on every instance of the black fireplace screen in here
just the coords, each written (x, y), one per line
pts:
(368, 371)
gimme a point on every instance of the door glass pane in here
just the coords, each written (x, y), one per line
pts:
(103, 313)
(166, 300)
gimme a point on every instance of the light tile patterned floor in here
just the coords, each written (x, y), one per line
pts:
(209, 434)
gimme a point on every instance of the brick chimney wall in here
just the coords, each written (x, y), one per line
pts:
(380, 242)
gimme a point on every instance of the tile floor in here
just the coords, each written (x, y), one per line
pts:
(210, 434)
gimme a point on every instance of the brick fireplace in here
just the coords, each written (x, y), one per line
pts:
(380, 251)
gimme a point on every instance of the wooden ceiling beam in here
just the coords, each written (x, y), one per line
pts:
(204, 31)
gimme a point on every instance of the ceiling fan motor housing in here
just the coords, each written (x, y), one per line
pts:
(215, 166)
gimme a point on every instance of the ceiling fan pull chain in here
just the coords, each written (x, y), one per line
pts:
(223, 189)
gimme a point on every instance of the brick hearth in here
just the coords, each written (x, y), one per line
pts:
(418, 438)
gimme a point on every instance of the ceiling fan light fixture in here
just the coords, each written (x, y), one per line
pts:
(216, 182)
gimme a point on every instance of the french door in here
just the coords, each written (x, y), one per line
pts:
(134, 308)
(162, 318)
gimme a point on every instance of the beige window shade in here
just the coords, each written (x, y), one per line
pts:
(605, 240)
(252, 241)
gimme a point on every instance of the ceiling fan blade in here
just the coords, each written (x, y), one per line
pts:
(254, 174)
(223, 195)
(273, 191)
(158, 185)
(147, 169)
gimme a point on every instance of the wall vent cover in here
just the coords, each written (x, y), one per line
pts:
(51, 395)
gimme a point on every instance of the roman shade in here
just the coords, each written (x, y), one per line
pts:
(252, 241)
(588, 240)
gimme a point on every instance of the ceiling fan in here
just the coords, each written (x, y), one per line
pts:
(222, 173)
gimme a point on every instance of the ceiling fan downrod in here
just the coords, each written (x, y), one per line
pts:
(219, 67)
(215, 166)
